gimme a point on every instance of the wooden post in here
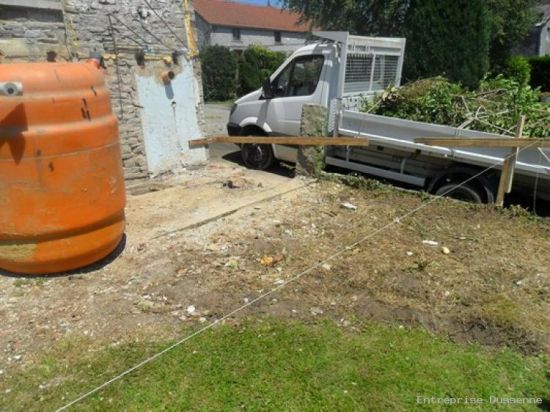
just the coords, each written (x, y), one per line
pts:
(508, 167)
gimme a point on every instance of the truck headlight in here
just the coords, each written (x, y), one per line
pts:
(233, 108)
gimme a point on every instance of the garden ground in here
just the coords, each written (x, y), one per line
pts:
(200, 246)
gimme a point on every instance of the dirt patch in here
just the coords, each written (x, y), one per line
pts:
(490, 288)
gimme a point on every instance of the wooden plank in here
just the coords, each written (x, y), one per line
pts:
(508, 167)
(194, 144)
(286, 140)
(519, 135)
(483, 142)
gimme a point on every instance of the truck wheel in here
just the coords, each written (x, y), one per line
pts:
(465, 192)
(257, 156)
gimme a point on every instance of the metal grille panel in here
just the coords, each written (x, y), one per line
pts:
(385, 72)
(358, 73)
(363, 76)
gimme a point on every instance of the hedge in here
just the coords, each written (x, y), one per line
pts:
(219, 73)
(226, 73)
(519, 69)
(449, 37)
(256, 63)
(540, 72)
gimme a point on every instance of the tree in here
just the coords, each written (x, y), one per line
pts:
(509, 21)
(372, 17)
(447, 37)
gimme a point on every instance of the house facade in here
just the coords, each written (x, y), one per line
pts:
(542, 29)
(538, 41)
(237, 26)
(138, 41)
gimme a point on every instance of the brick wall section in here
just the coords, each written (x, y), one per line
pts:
(82, 28)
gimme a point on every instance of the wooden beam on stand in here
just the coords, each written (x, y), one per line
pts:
(509, 164)
(285, 140)
(483, 142)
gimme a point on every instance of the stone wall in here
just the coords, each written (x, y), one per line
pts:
(135, 37)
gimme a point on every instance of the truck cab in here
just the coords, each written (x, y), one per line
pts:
(320, 73)
(304, 78)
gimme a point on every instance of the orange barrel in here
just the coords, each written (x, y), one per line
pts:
(62, 192)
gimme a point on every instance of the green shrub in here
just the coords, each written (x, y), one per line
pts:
(540, 72)
(518, 69)
(219, 73)
(256, 64)
(447, 37)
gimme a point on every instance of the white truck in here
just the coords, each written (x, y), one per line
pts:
(339, 72)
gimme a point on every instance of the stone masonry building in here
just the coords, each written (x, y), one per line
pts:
(139, 42)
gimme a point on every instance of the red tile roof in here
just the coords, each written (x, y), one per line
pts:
(227, 13)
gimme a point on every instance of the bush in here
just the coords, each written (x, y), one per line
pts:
(518, 69)
(219, 73)
(449, 37)
(256, 64)
(540, 72)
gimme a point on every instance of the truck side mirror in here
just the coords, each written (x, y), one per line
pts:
(267, 89)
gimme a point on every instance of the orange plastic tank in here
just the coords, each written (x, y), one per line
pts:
(62, 192)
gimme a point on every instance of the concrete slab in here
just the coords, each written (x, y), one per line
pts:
(202, 196)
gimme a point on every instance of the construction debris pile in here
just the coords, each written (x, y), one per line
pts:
(494, 107)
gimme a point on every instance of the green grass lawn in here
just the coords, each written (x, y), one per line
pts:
(276, 365)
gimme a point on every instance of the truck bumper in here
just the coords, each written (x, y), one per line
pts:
(233, 129)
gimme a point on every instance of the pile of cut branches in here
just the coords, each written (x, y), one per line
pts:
(494, 107)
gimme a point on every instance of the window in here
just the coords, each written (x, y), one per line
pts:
(305, 75)
(236, 34)
(278, 37)
(299, 78)
(33, 4)
(280, 84)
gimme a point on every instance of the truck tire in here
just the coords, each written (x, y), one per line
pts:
(465, 192)
(257, 156)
